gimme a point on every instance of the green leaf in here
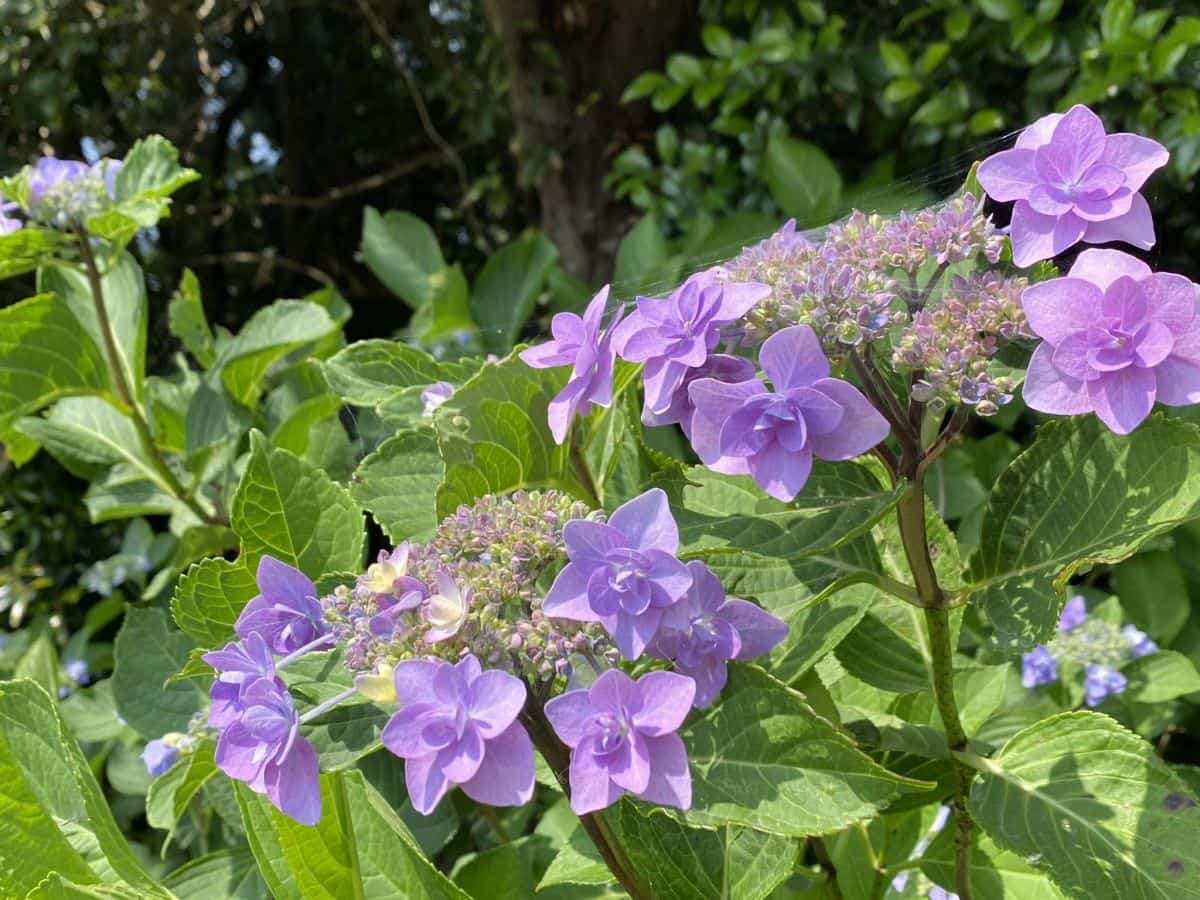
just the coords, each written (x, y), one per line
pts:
(368, 372)
(151, 171)
(88, 435)
(403, 253)
(40, 663)
(148, 652)
(91, 713)
(895, 58)
(208, 599)
(186, 320)
(717, 40)
(398, 484)
(680, 863)
(979, 692)
(995, 874)
(507, 288)
(449, 312)
(578, 862)
(1079, 495)
(1089, 802)
(1153, 594)
(287, 508)
(45, 785)
(124, 492)
(801, 178)
(27, 249)
(124, 291)
(360, 850)
(271, 333)
(44, 355)
(229, 874)
(1115, 19)
(494, 436)
(1160, 677)
(172, 792)
(763, 759)
(642, 260)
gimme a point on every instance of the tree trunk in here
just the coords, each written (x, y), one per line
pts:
(569, 63)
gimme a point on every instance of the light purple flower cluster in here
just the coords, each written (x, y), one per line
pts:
(1072, 182)
(470, 589)
(1095, 645)
(953, 341)
(64, 193)
(1116, 337)
(847, 287)
(259, 739)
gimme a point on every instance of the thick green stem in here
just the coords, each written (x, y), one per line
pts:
(910, 512)
(558, 757)
(125, 392)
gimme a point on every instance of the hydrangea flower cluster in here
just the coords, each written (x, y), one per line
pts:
(1097, 646)
(953, 342)
(455, 632)
(63, 193)
(851, 287)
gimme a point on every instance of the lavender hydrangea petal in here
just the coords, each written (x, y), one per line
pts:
(758, 631)
(568, 595)
(710, 675)
(1135, 227)
(293, 783)
(1101, 682)
(1171, 300)
(1140, 644)
(425, 782)
(793, 358)
(275, 578)
(590, 542)
(495, 701)
(1102, 267)
(631, 633)
(414, 680)
(1038, 667)
(1123, 399)
(1048, 390)
(591, 788)
(670, 781)
(1178, 379)
(1036, 237)
(158, 756)
(1138, 157)
(569, 715)
(460, 760)
(1008, 175)
(1074, 614)
(666, 699)
(1081, 131)
(1060, 307)
(417, 729)
(505, 776)
(861, 426)
(647, 523)
(779, 473)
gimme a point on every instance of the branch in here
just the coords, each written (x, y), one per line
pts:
(379, 179)
(266, 261)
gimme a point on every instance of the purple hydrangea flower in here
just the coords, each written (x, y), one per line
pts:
(746, 429)
(711, 630)
(457, 725)
(1074, 614)
(940, 893)
(623, 574)
(264, 749)
(622, 739)
(583, 344)
(678, 333)
(159, 755)
(434, 396)
(720, 366)
(1038, 667)
(1139, 642)
(285, 612)
(1101, 682)
(1072, 182)
(237, 665)
(1116, 337)
(50, 172)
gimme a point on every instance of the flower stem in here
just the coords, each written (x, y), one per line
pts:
(165, 476)
(319, 643)
(329, 704)
(910, 513)
(558, 757)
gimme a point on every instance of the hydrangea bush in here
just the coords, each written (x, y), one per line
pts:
(668, 603)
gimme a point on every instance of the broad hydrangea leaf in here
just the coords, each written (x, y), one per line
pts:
(398, 485)
(187, 321)
(360, 850)
(1088, 802)
(26, 249)
(403, 253)
(995, 874)
(148, 652)
(1080, 495)
(172, 792)
(208, 599)
(507, 288)
(763, 759)
(227, 873)
(367, 373)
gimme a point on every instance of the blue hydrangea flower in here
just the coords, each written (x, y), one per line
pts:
(1038, 667)
(1102, 682)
